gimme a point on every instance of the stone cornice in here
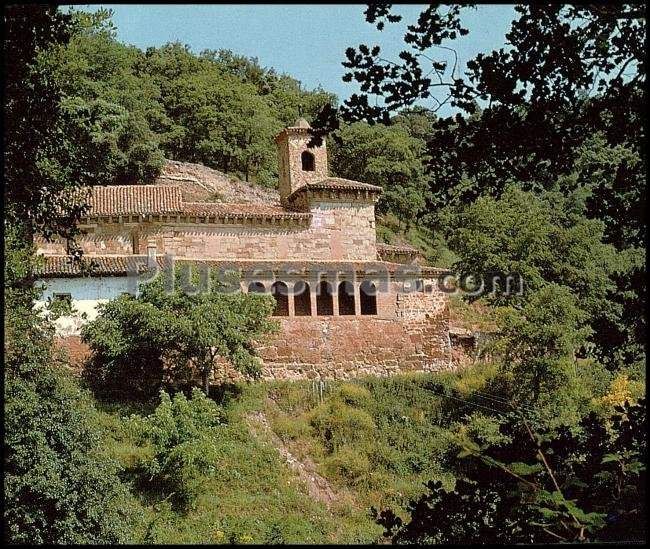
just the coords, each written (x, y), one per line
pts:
(220, 219)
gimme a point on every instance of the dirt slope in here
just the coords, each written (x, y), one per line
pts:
(199, 183)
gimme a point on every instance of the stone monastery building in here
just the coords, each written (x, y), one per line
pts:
(346, 305)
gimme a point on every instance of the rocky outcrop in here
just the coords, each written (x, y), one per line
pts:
(199, 183)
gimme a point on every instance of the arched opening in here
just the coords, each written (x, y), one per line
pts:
(346, 298)
(368, 295)
(324, 299)
(256, 288)
(308, 161)
(280, 292)
(301, 299)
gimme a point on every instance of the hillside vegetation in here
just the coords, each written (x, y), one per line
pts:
(376, 441)
(541, 175)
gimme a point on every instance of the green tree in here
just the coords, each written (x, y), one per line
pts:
(572, 484)
(184, 434)
(142, 344)
(569, 72)
(539, 342)
(34, 141)
(58, 488)
(224, 109)
(100, 76)
(546, 240)
(384, 156)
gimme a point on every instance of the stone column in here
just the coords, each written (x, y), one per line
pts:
(357, 298)
(335, 298)
(290, 289)
(312, 296)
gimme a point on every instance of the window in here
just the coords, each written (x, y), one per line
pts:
(324, 299)
(280, 292)
(301, 299)
(308, 163)
(346, 298)
(368, 295)
(66, 298)
(256, 288)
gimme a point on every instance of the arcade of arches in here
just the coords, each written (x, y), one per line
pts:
(325, 297)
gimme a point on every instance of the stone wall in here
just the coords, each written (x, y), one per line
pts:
(100, 239)
(339, 231)
(338, 348)
(408, 333)
(346, 347)
(291, 143)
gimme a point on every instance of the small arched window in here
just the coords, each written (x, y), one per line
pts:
(368, 295)
(346, 298)
(256, 288)
(324, 299)
(280, 292)
(308, 162)
(301, 299)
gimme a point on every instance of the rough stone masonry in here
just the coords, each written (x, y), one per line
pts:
(347, 305)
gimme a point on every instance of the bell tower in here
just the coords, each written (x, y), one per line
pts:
(299, 163)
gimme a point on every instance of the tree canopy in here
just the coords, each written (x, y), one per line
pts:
(159, 339)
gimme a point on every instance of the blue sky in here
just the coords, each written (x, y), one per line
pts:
(306, 41)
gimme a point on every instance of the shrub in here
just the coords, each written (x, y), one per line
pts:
(58, 487)
(348, 464)
(622, 389)
(338, 424)
(290, 428)
(354, 395)
(184, 434)
(140, 344)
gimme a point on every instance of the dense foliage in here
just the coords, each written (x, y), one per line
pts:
(583, 484)
(386, 156)
(184, 435)
(216, 108)
(58, 487)
(541, 175)
(143, 343)
(559, 110)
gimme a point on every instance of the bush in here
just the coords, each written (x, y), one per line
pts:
(161, 338)
(290, 428)
(184, 434)
(338, 424)
(58, 487)
(354, 395)
(348, 464)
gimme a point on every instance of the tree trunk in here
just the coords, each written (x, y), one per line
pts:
(206, 382)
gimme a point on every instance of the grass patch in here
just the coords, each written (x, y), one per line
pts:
(376, 440)
(251, 498)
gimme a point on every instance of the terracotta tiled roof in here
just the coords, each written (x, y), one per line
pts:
(167, 199)
(105, 265)
(336, 183)
(340, 183)
(255, 211)
(310, 266)
(121, 265)
(134, 200)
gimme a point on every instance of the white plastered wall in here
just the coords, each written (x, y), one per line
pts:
(86, 294)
